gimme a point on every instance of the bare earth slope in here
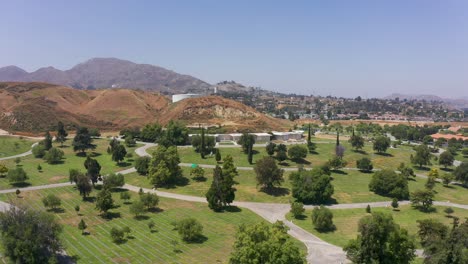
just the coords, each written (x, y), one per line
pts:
(36, 107)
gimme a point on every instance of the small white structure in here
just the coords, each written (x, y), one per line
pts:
(179, 97)
(262, 137)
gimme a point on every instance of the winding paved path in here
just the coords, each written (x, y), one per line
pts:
(27, 153)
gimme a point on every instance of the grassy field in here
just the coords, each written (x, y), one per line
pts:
(143, 246)
(351, 187)
(10, 146)
(346, 221)
(325, 151)
(59, 172)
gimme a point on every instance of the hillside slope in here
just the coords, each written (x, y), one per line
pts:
(35, 107)
(110, 73)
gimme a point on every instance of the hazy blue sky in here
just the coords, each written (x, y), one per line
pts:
(343, 48)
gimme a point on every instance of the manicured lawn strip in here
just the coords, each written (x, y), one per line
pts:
(346, 221)
(219, 228)
(59, 172)
(8, 147)
(325, 151)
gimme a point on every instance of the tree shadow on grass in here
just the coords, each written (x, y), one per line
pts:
(339, 172)
(200, 239)
(232, 209)
(423, 168)
(119, 190)
(90, 199)
(302, 161)
(275, 191)
(301, 217)
(360, 151)
(141, 217)
(95, 154)
(385, 154)
(65, 259)
(446, 169)
(57, 210)
(313, 152)
(461, 185)
(325, 231)
(110, 215)
(155, 210)
(124, 164)
(20, 184)
(182, 181)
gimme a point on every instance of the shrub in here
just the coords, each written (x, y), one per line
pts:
(297, 209)
(189, 229)
(364, 164)
(322, 219)
(388, 183)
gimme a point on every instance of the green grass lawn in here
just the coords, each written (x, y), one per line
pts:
(10, 146)
(143, 246)
(59, 172)
(346, 221)
(324, 152)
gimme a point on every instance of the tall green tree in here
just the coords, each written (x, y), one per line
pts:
(164, 167)
(176, 133)
(388, 183)
(422, 156)
(270, 148)
(246, 141)
(311, 187)
(104, 201)
(151, 133)
(29, 236)
(119, 153)
(62, 134)
(47, 142)
(221, 192)
(82, 140)
(264, 243)
(446, 159)
(54, 155)
(229, 168)
(83, 184)
(297, 152)
(381, 144)
(93, 169)
(268, 174)
(380, 240)
(17, 175)
(356, 141)
(322, 219)
(461, 173)
(142, 165)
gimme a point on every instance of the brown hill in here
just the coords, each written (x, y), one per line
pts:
(233, 115)
(35, 107)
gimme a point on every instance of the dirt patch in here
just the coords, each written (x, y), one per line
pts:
(56, 179)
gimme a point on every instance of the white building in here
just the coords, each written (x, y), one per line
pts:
(179, 97)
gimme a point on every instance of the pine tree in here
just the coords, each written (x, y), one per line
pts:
(337, 138)
(61, 133)
(202, 148)
(221, 192)
(47, 142)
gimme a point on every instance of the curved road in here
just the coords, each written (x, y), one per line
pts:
(319, 251)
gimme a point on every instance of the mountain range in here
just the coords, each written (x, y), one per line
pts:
(110, 73)
(459, 103)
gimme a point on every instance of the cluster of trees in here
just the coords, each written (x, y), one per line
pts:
(389, 183)
(45, 150)
(443, 244)
(412, 133)
(312, 186)
(264, 243)
(189, 229)
(175, 133)
(164, 169)
(222, 192)
(147, 201)
(247, 141)
(29, 236)
(356, 141)
(116, 150)
(268, 174)
(380, 240)
(381, 144)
